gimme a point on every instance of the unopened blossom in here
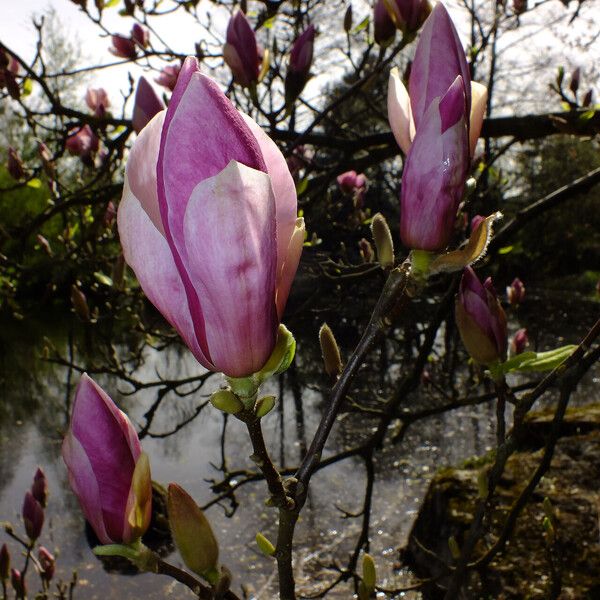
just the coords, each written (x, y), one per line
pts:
(97, 100)
(301, 58)
(208, 223)
(39, 488)
(168, 76)
(145, 105)
(384, 28)
(241, 51)
(408, 15)
(108, 471)
(47, 562)
(519, 342)
(123, 47)
(140, 35)
(481, 320)
(33, 516)
(515, 292)
(82, 142)
(14, 164)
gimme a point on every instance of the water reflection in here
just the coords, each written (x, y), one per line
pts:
(191, 443)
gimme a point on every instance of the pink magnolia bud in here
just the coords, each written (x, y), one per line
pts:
(300, 62)
(97, 100)
(366, 250)
(4, 563)
(519, 6)
(515, 292)
(214, 222)
(241, 51)
(146, 105)
(39, 489)
(79, 302)
(108, 472)
(123, 47)
(46, 156)
(384, 27)
(9, 69)
(18, 583)
(47, 562)
(140, 35)
(82, 142)
(33, 516)
(575, 79)
(168, 76)
(110, 214)
(45, 245)
(519, 342)
(480, 319)
(14, 164)
(350, 181)
(407, 15)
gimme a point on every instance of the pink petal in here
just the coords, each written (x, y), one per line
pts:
(229, 231)
(84, 484)
(286, 202)
(141, 168)
(399, 113)
(147, 252)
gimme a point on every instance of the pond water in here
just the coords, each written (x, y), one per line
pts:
(34, 404)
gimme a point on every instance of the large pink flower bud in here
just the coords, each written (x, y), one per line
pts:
(384, 28)
(300, 62)
(241, 52)
(481, 320)
(33, 516)
(208, 224)
(145, 105)
(108, 471)
(140, 35)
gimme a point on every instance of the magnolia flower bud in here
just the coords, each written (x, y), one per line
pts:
(330, 352)
(79, 302)
(384, 244)
(575, 79)
(123, 47)
(14, 164)
(82, 142)
(168, 76)
(4, 563)
(97, 100)
(39, 489)
(519, 342)
(480, 319)
(515, 292)
(299, 67)
(18, 583)
(33, 516)
(348, 19)
(385, 30)
(241, 52)
(192, 532)
(145, 106)
(366, 250)
(140, 35)
(48, 564)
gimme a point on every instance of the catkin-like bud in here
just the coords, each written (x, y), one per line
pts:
(383, 241)
(330, 351)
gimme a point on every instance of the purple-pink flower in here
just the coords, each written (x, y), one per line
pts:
(108, 471)
(208, 224)
(168, 76)
(145, 105)
(515, 292)
(480, 319)
(241, 51)
(97, 100)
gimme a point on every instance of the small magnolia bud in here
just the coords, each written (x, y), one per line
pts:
(264, 406)
(18, 583)
(39, 489)
(192, 533)
(140, 35)
(330, 351)
(4, 563)
(383, 241)
(264, 545)
(454, 548)
(519, 342)
(587, 99)
(575, 78)
(348, 19)
(369, 575)
(79, 302)
(14, 164)
(33, 516)
(366, 250)
(515, 292)
(227, 401)
(47, 562)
